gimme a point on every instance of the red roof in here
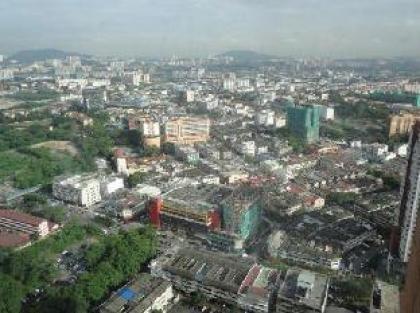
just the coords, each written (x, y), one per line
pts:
(21, 217)
(13, 239)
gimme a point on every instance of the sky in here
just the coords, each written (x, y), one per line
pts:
(161, 28)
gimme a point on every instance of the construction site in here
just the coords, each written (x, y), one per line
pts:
(226, 214)
(242, 211)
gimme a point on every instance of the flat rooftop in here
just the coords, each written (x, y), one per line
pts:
(136, 296)
(200, 198)
(305, 287)
(219, 270)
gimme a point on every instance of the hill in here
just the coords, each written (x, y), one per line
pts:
(246, 55)
(30, 56)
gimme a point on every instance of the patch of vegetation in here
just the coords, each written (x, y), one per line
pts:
(392, 97)
(295, 142)
(14, 137)
(23, 271)
(32, 167)
(110, 262)
(39, 95)
(135, 179)
(390, 182)
(341, 198)
(352, 293)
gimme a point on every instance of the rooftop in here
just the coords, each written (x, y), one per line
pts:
(308, 288)
(136, 296)
(20, 217)
(219, 270)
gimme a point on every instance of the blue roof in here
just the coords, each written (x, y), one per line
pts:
(127, 294)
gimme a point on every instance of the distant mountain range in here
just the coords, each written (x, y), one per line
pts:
(30, 56)
(247, 55)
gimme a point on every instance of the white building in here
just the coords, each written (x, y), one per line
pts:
(6, 74)
(81, 190)
(229, 84)
(121, 165)
(133, 78)
(375, 151)
(402, 150)
(150, 128)
(248, 148)
(146, 78)
(111, 184)
(280, 121)
(242, 83)
(265, 118)
(326, 113)
(190, 95)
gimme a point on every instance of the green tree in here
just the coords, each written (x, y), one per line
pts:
(11, 294)
(135, 179)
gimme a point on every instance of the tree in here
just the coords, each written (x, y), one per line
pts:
(11, 294)
(135, 179)
(342, 198)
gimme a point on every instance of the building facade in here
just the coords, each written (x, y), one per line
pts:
(187, 130)
(303, 122)
(81, 190)
(401, 124)
(406, 215)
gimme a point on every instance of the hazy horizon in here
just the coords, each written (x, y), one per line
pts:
(159, 28)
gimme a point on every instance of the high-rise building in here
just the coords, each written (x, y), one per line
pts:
(410, 295)
(229, 84)
(406, 215)
(187, 130)
(133, 78)
(417, 101)
(401, 124)
(303, 121)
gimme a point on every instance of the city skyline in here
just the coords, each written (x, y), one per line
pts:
(306, 28)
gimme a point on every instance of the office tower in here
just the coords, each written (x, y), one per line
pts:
(406, 215)
(303, 122)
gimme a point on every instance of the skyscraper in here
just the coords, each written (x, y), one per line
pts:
(303, 121)
(406, 216)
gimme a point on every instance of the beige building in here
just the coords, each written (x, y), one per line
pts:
(187, 130)
(400, 124)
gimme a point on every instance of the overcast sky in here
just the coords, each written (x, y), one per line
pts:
(332, 28)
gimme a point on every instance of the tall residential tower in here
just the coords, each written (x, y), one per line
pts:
(406, 216)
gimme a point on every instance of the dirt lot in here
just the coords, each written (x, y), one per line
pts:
(60, 146)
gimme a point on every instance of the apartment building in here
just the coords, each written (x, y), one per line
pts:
(83, 190)
(187, 130)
